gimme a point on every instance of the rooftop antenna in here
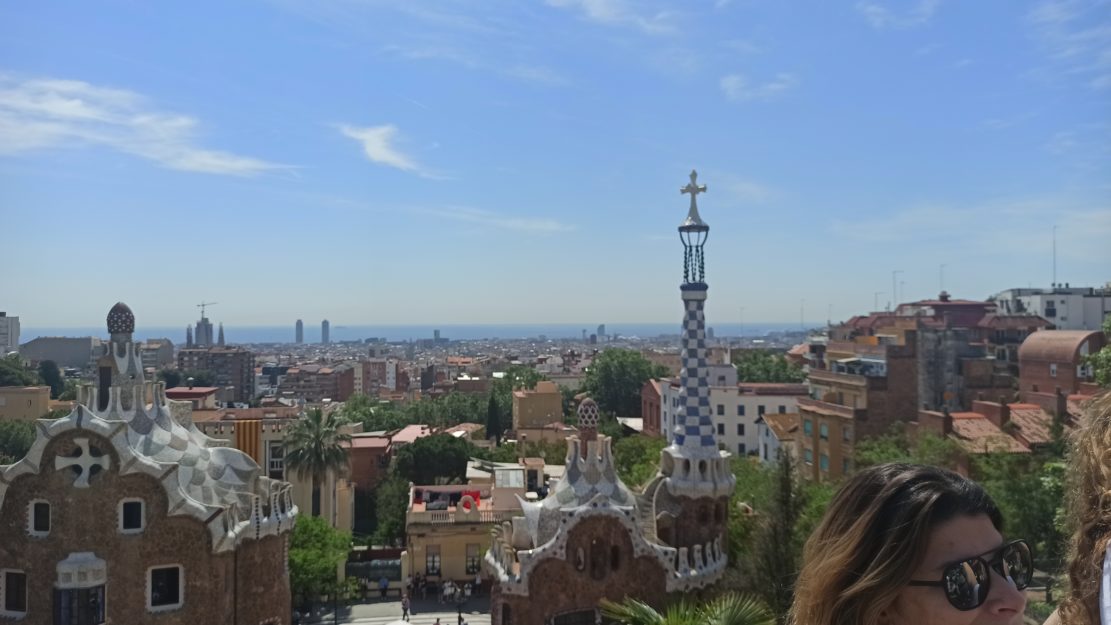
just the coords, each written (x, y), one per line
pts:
(1054, 255)
(895, 288)
(203, 304)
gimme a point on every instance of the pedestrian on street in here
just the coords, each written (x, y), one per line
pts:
(405, 608)
(383, 586)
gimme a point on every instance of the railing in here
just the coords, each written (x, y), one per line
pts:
(451, 517)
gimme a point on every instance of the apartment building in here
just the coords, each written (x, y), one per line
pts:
(230, 366)
(1068, 308)
(9, 334)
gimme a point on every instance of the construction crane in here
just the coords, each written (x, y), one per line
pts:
(203, 304)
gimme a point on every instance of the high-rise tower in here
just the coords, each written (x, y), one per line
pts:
(325, 331)
(299, 332)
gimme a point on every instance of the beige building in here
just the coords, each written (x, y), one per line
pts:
(259, 433)
(537, 407)
(448, 527)
(24, 402)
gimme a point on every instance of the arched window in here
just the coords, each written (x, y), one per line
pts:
(615, 558)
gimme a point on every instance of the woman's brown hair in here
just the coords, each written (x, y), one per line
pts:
(1089, 510)
(873, 536)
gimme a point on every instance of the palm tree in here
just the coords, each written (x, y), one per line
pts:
(315, 446)
(729, 609)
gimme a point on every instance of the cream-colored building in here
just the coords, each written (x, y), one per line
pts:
(448, 527)
(260, 435)
(537, 407)
(24, 402)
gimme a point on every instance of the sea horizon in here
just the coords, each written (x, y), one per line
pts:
(407, 332)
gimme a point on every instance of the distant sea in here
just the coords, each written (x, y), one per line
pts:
(284, 334)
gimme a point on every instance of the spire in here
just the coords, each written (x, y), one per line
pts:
(693, 464)
(121, 321)
(220, 341)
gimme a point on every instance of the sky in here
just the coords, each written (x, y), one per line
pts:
(519, 161)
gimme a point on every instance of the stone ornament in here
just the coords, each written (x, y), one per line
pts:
(83, 462)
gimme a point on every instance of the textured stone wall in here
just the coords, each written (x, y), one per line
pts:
(558, 585)
(86, 519)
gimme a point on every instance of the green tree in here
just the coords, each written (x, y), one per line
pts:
(1029, 490)
(70, 391)
(765, 365)
(315, 446)
(16, 438)
(637, 458)
(315, 552)
(13, 373)
(896, 445)
(494, 426)
(436, 459)
(615, 377)
(776, 561)
(391, 498)
(1101, 360)
(200, 377)
(172, 377)
(52, 377)
(729, 609)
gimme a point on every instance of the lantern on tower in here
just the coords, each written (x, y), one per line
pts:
(693, 233)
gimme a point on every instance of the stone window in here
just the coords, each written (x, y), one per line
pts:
(1053, 370)
(721, 409)
(165, 588)
(783, 410)
(79, 606)
(474, 559)
(846, 433)
(823, 462)
(808, 427)
(13, 594)
(740, 429)
(808, 456)
(823, 431)
(276, 464)
(132, 518)
(432, 560)
(740, 410)
(721, 429)
(740, 449)
(38, 522)
(760, 410)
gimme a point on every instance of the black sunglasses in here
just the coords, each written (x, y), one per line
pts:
(968, 582)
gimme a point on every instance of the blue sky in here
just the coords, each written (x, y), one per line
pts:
(519, 161)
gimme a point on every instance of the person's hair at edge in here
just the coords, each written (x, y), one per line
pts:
(874, 535)
(1089, 511)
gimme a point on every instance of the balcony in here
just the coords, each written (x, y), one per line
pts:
(454, 517)
(834, 377)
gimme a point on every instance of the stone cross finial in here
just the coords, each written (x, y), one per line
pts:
(85, 461)
(694, 189)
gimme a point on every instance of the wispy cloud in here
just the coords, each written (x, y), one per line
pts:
(1076, 34)
(379, 146)
(501, 222)
(538, 74)
(882, 17)
(738, 88)
(1018, 225)
(42, 113)
(617, 12)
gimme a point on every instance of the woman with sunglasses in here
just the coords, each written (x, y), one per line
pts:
(905, 544)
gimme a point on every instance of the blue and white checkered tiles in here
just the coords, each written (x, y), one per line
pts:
(694, 427)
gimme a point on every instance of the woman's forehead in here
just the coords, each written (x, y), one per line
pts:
(960, 538)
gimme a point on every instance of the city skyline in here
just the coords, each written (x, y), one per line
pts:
(395, 165)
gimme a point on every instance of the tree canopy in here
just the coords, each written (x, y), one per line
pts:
(765, 365)
(315, 446)
(637, 458)
(1101, 360)
(436, 459)
(13, 373)
(728, 609)
(315, 552)
(615, 377)
(52, 377)
(16, 438)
